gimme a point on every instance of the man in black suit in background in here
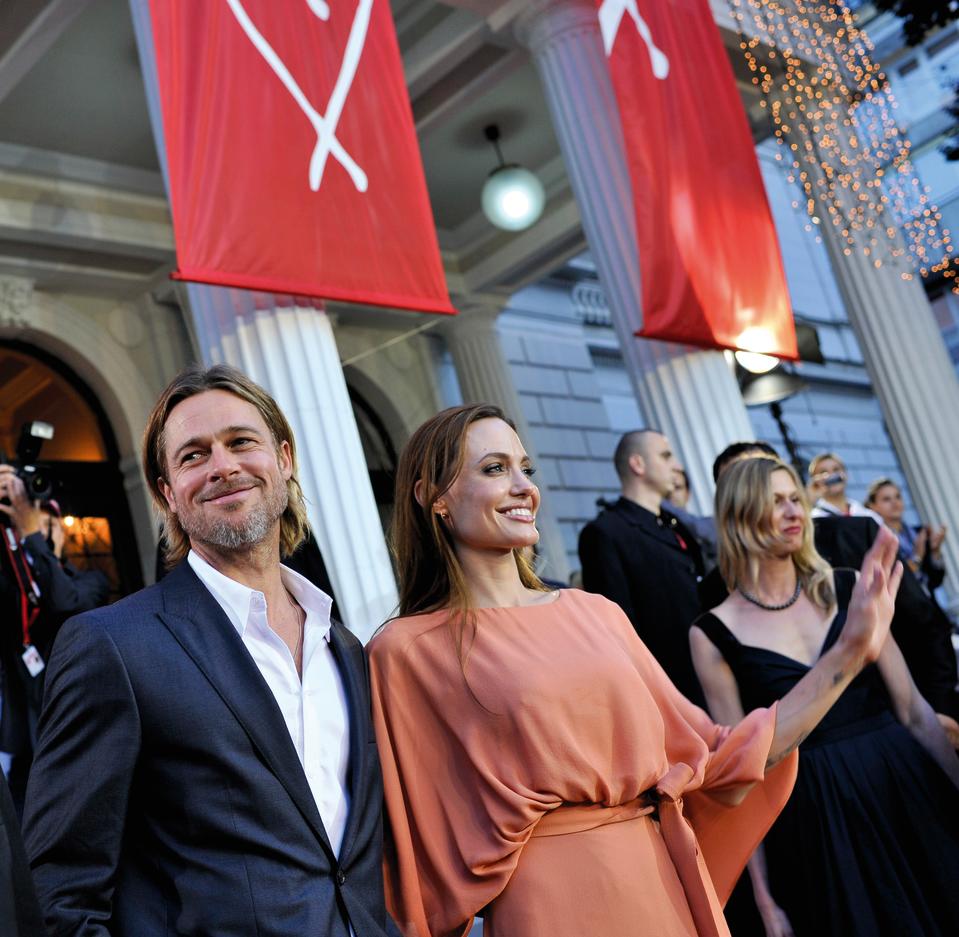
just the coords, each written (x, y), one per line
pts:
(206, 763)
(643, 558)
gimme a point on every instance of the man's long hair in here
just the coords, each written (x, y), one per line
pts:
(197, 380)
(744, 505)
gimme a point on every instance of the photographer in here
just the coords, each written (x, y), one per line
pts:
(827, 489)
(38, 592)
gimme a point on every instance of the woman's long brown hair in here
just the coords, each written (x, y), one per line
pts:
(429, 573)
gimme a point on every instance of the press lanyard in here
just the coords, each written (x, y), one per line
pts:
(26, 586)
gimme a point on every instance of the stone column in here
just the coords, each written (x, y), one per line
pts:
(484, 377)
(912, 376)
(689, 395)
(291, 351)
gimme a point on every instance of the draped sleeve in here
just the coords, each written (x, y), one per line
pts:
(455, 826)
(726, 834)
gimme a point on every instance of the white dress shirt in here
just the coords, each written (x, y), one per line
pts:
(314, 709)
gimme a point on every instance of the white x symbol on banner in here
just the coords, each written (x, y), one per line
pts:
(324, 124)
(610, 18)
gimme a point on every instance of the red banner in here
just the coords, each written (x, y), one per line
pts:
(711, 271)
(292, 157)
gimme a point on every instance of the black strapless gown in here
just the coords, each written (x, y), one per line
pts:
(868, 845)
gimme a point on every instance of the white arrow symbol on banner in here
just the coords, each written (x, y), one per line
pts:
(324, 124)
(610, 18)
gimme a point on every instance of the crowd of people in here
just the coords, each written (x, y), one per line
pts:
(216, 755)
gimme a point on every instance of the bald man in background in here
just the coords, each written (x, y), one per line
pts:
(642, 557)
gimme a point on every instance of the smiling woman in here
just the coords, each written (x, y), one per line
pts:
(459, 475)
(528, 738)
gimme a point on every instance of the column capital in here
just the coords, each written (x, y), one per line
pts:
(543, 22)
(495, 302)
(476, 312)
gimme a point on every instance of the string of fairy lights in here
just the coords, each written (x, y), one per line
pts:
(833, 117)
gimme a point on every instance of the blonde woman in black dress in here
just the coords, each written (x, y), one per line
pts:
(868, 844)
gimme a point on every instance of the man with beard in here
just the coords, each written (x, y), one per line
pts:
(206, 763)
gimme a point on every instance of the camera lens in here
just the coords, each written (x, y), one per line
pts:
(39, 485)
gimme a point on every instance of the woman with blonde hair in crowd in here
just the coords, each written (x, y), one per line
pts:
(539, 767)
(868, 844)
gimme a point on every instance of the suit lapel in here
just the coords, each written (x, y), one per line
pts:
(203, 630)
(351, 661)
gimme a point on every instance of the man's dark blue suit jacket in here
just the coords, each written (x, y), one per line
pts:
(167, 798)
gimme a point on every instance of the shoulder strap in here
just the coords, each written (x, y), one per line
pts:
(718, 633)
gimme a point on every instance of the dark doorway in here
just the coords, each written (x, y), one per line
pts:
(82, 459)
(379, 453)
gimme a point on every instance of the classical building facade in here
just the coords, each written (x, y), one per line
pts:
(91, 327)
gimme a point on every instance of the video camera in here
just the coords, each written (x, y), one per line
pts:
(36, 478)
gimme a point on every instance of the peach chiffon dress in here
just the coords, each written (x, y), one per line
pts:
(562, 786)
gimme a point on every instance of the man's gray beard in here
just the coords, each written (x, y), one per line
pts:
(229, 537)
(235, 537)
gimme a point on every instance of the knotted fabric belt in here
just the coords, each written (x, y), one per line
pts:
(665, 803)
(577, 818)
